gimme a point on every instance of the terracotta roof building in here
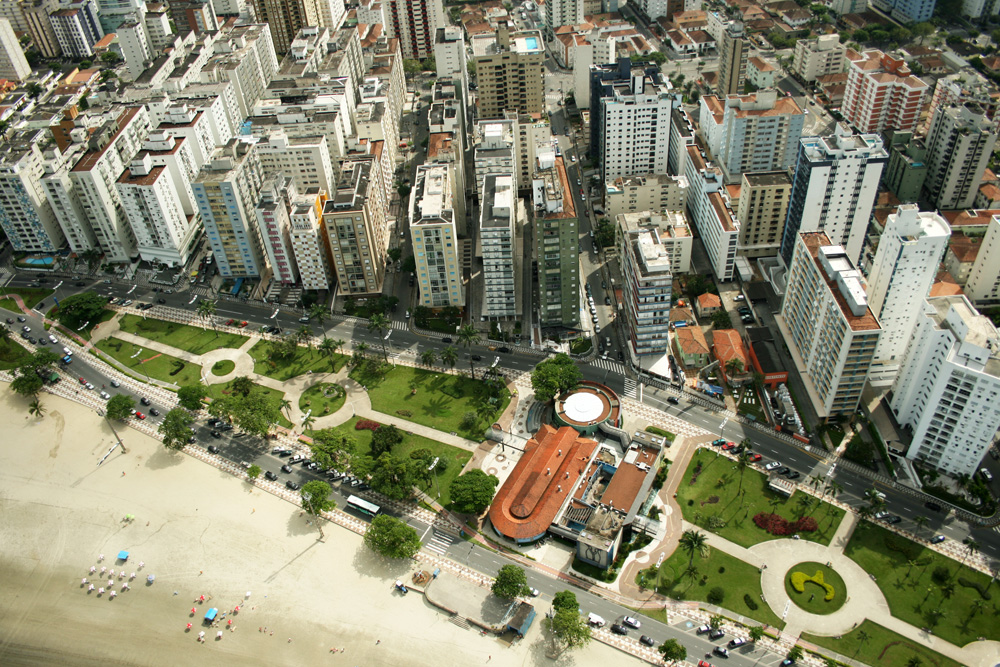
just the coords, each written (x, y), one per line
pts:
(691, 346)
(541, 483)
(727, 345)
(708, 303)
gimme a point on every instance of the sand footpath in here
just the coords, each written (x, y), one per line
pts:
(201, 532)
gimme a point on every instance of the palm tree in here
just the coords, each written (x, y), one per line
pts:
(692, 541)
(971, 548)
(866, 511)
(36, 409)
(206, 311)
(338, 344)
(304, 335)
(734, 367)
(307, 422)
(742, 461)
(468, 336)
(914, 661)
(449, 356)
(361, 348)
(318, 312)
(805, 502)
(284, 404)
(963, 480)
(977, 606)
(862, 638)
(379, 322)
(428, 357)
(326, 348)
(816, 482)
(921, 521)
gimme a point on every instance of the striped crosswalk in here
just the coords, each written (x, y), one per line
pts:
(630, 389)
(440, 542)
(401, 326)
(609, 365)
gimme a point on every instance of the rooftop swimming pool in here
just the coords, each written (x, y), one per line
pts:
(532, 43)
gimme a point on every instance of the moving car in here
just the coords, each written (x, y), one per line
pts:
(154, 412)
(721, 651)
(140, 415)
(213, 449)
(673, 400)
(446, 340)
(116, 383)
(294, 486)
(270, 475)
(631, 622)
(286, 468)
(145, 401)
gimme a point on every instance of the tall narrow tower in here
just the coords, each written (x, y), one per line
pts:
(733, 59)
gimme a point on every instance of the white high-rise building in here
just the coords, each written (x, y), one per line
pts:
(948, 388)
(26, 215)
(634, 131)
(647, 255)
(450, 57)
(306, 160)
(77, 28)
(825, 320)
(435, 239)
(836, 182)
(983, 286)
(94, 175)
(495, 149)
(308, 242)
(959, 143)
(909, 253)
(751, 133)
(274, 220)
(502, 215)
(818, 57)
(559, 13)
(135, 48)
(13, 65)
(163, 232)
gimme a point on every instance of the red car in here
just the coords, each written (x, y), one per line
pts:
(140, 415)
(229, 322)
(82, 381)
(243, 323)
(729, 445)
(756, 457)
(704, 663)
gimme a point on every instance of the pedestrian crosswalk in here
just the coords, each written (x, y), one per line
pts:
(630, 388)
(609, 365)
(399, 325)
(440, 542)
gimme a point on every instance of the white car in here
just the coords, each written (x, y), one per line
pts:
(89, 386)
(535, 592)
(772, 465)
(631, 622)
(53, 339)
(105, 395)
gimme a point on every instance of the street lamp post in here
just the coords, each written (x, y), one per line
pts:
(138, 352)
(121, 444)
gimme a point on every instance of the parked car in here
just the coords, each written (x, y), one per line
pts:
(648, 641)
(145, 401)
(704, 663)
(213, 449)
(792, 474)
(619, 629)
(716, 634)
(229, 322)
(772, 465)
(270, 475)
(116, 383)
(718, 442)
(703, 629)
(446, 340)
(937, 539)
(140, 415)
(631, 622)
(294, 486)
(105, 395)
(728, 446)
(154, 412)
(754, 458)
(737, 642)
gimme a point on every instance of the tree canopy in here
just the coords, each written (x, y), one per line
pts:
(390, 537)
(190, 396)
(176, 428)
(473, 492)
(569, 627)
(316, 500)
(673, 651)
(384, 438)
(78, 309)
(510, 582)
(331, 448)
(120, 406)
(394, 476)
(254, 413)
(554, 376)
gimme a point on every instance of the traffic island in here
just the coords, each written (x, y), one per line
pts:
(815, 587)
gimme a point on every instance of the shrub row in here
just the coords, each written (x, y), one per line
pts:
(778, 525)
(366, 424)
(983, 592)
(749, 602)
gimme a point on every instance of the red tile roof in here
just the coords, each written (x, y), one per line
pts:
(691, 340)
(709, 300)
(544, 477)
(728, 345)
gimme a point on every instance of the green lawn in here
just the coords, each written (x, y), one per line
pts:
(182, 336)
(736, 578)
(305, 360)
(813, 596)
(315, 398)
(30, 295)
(883, 647)
(224, 367)
(11, 354)
(457, 458)
(150, 362)
(713, 502)
(904, 571)
(750, 406)
(220, 390)
(440, 400)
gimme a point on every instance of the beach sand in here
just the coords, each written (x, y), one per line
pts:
(201, 532)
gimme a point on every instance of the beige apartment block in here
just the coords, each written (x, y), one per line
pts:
(356, 230)
(762, 210)
(818, 57)
(509, 72)
(658, 192)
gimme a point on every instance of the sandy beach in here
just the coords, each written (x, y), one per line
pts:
(201, 532)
